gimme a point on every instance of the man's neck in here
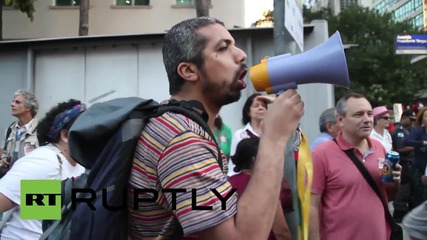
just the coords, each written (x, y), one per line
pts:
(62, 146)
(23, 120)
(210, 109)
(356, 142)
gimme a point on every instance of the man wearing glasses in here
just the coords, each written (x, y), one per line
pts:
(402, 201)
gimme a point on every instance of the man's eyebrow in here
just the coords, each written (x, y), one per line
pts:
(224, 40)
(362, 111)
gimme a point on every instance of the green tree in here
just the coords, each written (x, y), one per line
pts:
(266, 20)
(375, 70)
(308, 15)
(25, 6)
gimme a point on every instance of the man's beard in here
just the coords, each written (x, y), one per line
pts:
(221, 99)
(214, 90)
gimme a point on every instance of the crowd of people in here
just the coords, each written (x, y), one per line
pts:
(204, 64)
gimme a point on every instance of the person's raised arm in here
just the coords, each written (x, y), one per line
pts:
(254, 218)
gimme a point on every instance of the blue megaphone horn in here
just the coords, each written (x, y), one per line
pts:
(326, 63)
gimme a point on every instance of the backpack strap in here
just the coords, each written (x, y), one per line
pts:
(8, 132)
(196, 112)
(189, 109)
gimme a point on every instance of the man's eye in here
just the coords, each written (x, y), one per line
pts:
(223, 48)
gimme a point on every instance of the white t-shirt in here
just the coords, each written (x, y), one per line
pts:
(237, 137)
(386, 140)
(41, 163)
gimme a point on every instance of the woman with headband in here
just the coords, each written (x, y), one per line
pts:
(51, 161)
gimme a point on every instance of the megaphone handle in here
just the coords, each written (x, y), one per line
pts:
(280, 88)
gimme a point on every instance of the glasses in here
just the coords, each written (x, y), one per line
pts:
(386, 118)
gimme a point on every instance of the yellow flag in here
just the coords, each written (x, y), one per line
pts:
(304, 180)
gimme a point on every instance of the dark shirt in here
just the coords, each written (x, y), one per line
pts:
(416, 139)
(399, 135)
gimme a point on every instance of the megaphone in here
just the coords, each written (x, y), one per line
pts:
(326, 63)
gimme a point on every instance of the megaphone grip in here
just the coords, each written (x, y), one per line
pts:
(281, 87)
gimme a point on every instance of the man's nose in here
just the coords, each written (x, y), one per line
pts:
(240, 55)
(367, 118)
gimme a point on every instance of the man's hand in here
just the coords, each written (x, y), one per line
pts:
(397, 173)
(5, 162)
(284, 115)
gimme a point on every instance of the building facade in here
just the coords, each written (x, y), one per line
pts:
(99, 68)
(60, 18)
(403, 10)
(337, 5)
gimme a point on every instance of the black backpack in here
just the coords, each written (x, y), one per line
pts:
(103, 139)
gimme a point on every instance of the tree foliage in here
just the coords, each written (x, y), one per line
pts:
(266, 21)
(25, 6)
(374, 68)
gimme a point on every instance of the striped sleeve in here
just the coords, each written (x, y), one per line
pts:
(188, 164)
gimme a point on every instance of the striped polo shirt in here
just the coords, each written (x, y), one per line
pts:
(175, 153)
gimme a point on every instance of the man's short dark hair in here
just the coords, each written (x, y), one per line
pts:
(183, 43)
(341, 106)
(409, 114)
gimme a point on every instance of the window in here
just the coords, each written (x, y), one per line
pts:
(132, 2)
(67, 2)
(184, 2)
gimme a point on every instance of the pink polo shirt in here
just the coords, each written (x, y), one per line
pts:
(350, 209)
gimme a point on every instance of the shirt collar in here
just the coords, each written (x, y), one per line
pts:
(26, 126)
(325, 135)
(344, 145)
(249, 127)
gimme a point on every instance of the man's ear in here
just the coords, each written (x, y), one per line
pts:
(339, 118)
(188, 71)
(329, 126)
(64, 136)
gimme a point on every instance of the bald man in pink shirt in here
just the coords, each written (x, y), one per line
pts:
(343, 205)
